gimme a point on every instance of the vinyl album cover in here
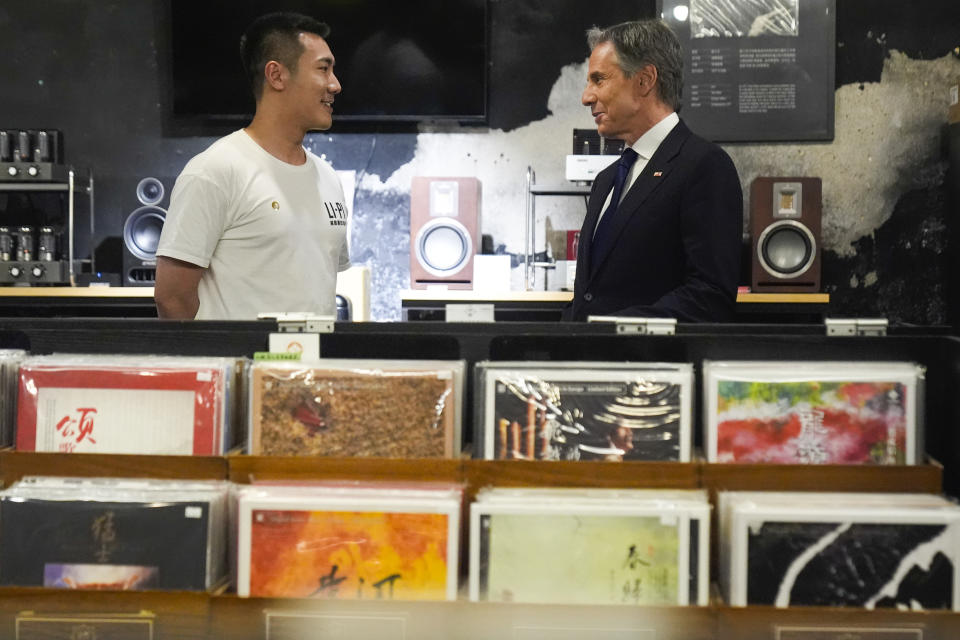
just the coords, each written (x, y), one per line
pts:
(386, 410)
(803, 418)
(10, 360)
(349, 555)
(92, 405)
(578, 559)
(85, 544)
(853, 564)
(569, 413)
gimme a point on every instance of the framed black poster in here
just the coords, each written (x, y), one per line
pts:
(756, 70)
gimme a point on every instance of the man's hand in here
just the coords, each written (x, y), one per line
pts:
(176, 290)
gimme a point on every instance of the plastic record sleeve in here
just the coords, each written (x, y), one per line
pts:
(348, 542)
(10, 360)
(119, 534)
(580, 410)
(125, 404)
(384, 408)
(590, 546)
(816, 412)
(839, 549)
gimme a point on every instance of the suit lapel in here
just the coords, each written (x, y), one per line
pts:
(602, 185)
(646, 183)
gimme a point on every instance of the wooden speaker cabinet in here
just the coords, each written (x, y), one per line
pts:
(444, 231)
(785, 235)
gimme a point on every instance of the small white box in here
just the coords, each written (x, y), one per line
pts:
(586, 168)
(491, 272)
(566, 274)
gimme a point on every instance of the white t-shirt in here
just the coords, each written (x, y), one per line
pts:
(271, 235)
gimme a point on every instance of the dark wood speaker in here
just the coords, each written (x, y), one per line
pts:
(444, 231)
(785, 235)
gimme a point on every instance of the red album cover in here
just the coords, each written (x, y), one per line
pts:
(141, 410)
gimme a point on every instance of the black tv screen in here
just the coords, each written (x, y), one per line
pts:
(397, 60)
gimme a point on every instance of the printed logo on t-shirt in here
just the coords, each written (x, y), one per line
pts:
(336, 214)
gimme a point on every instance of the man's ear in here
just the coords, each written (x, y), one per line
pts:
(645, 81)
(275, 75)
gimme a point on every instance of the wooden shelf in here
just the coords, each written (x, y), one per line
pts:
(196, 616)
(16, 464)
(244, 469)
(771, 477)
(76, 292)
(783, 298)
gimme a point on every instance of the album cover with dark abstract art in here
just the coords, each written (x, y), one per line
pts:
(833, 564)
(95, 545)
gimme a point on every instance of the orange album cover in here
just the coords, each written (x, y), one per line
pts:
(349, 555)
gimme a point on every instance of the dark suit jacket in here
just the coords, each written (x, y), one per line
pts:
(676, 251)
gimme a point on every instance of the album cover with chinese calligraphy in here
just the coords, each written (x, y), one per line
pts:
(888, 551)
(96, 545)
(585, 410)
(384, 408)
(590, 547)
(124, 404)
(335, 543)
(113, 533)
(813, 412)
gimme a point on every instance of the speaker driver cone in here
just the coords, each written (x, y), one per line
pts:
(443, 246)
(141, 232)
(786, 249)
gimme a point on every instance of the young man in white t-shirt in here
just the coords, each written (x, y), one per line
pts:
(256, 222)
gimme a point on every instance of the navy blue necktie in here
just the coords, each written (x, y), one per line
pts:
(601, 241)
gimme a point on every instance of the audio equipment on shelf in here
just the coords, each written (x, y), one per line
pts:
(37, 238)
(785, 230)
(30, 255)
(34, 155)
(141, 233)
(444, 231)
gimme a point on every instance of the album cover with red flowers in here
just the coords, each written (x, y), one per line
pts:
(812, 413)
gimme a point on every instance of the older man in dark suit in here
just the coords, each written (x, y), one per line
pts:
(663, 226)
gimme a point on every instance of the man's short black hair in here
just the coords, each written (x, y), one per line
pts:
(275, 36)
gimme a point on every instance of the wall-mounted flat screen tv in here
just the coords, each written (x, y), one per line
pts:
(397, 60)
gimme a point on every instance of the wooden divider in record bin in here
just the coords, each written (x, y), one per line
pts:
(16, 464)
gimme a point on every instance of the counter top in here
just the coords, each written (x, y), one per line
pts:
(454, 296)
(420, 295)
(461, 295)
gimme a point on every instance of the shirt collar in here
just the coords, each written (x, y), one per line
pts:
(647, 144)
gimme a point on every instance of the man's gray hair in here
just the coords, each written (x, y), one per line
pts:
(644, 42)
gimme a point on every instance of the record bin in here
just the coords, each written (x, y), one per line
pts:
(219, 615)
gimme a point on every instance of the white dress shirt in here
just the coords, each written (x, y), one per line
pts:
(645, 146)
